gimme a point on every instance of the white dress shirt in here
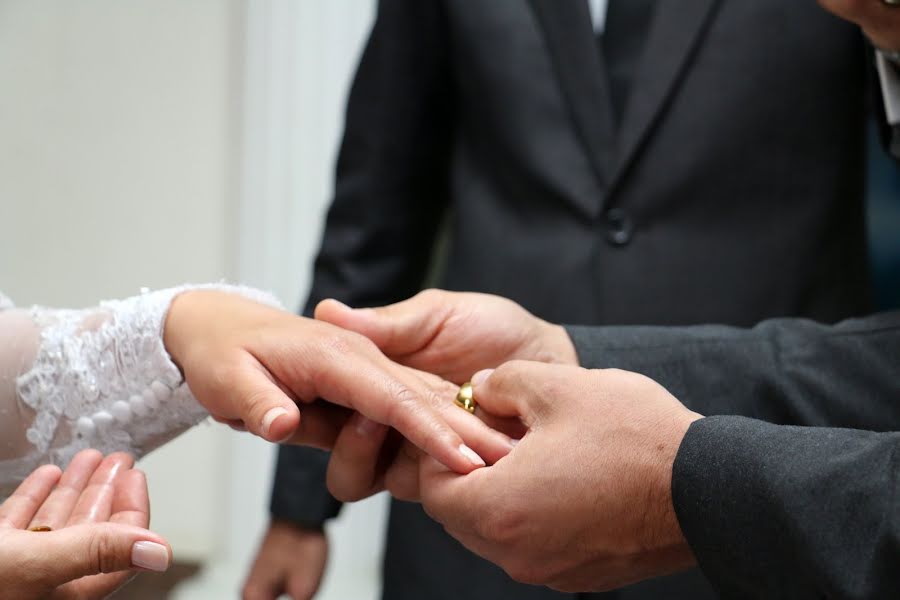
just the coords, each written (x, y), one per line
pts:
(889, 74)
(598, 14)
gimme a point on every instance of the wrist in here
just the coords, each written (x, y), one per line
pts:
(556, 346)
(182, 312)
(667, 550)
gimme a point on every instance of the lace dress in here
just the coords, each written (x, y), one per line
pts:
(97, 378)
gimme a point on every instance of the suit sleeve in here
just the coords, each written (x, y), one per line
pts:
(391, 193)
(784, 371)
(791, 512)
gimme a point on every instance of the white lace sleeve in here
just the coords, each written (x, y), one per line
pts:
(97, 378)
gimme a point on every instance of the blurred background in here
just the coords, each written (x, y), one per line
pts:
(156, 142)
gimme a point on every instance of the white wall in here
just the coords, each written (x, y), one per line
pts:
(117, 152)
(152, 142)
(113, 113)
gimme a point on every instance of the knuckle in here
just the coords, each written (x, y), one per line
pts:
(551, 390)
(505, 526)
(508, 378)
(340, 343)
(336, 344)
(440, 395)
(429, 295)
(101, 553)
(407, 404)
(509, 374)
(413, 416)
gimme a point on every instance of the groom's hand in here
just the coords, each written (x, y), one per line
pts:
(453, 334)
(250, 364)
(583, 503)
(599, 443)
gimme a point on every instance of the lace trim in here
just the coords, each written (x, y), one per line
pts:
(103, 379)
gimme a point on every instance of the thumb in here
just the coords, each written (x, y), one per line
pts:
(520, 389)
(91, 549)
(264, 407)
(398, 329)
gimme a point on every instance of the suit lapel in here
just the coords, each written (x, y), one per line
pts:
(674, 34)
(582, 75)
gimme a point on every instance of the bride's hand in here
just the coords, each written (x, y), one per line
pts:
(448, 333)
(251, 365)
(98, 511)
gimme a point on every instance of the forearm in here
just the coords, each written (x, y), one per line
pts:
(786, 371)
(96, 378)
(790, 512)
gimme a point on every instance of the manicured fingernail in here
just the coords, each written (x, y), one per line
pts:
(471, 455)
(270, 417)
(150, 556)
(481, 376)
(365, 426)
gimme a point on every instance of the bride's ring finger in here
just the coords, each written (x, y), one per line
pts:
(54, 513)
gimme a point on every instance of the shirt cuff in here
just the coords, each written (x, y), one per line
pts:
(889, 75)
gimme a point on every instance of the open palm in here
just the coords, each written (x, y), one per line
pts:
(96, 510)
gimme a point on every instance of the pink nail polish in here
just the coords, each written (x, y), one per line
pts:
(471, 456)
(150, 556)
(270, 417)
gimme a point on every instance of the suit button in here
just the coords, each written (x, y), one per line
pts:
(619, 227)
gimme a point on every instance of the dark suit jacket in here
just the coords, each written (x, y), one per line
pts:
(773, 511)
(731, 191)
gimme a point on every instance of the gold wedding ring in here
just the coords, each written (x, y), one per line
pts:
(465, 398)
(40, 528)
